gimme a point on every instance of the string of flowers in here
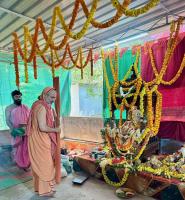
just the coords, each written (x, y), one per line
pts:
(141, 103)
(110, 22)
(135, 12)
(81, 33)
(143, 146)
(71, 24)
(16, 65)
(88, 59)
(81, 63)
(121, 112)
(158, 110)
(107, 82)
(170, 49)
(60, 62)
(35, 67)
(163, 170)
(112, 68)
(153, 116)
(49, 38)
(115, 184)
(177, 75)
(25, 57)
(116, 62)
(136, 94)
(149, 108)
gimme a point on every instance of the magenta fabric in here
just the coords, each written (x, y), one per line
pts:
(21, 155)
(173, 130)
(173, 105)
(19, 115)
(159, 50)
(174, 95)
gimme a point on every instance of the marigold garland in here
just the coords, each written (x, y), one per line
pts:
(153, 116)
(109, 23)
(25, 57)
(179, 72)
(107, 82)
(170, 49)
(112, 68)
(134, 12)
(115, 184)
(57, 13)
(35, 67)
(79, 35)
(81, 63)
(164, 170)
(16, 64)
(141, 103)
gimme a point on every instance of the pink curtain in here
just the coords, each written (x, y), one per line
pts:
(173, 107)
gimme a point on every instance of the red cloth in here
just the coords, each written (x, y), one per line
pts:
(173, 95)
(173, 105)
(173, 130)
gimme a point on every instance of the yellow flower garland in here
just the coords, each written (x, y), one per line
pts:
(80, 34)
(107, 82)
(164, 170)
(170, 49)
(179, 72)
(25, 57)
(118, 184)
(153, 122)
(135, 12)
(142, 94)
(109, 162)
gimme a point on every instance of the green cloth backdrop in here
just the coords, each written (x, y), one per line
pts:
(33, 89)
(125, 62)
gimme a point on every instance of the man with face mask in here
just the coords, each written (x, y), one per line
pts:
(42, 142)
(16, 118)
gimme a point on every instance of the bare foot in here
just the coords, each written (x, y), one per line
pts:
(50, 194)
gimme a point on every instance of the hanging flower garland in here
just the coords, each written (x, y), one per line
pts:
(88, 59)
(164, 170)
(35, 67)
(109, 23)
(137, 83)
(141, 103)
(71, 24)
(61, 62)
(49, 44)
(153, 115)
(115, 184)
(158, 110)
(25, 56)
(135, 12)
(170, 49)
(112, 68)
(16, 64)
(79, 35)
(107, 82)
(177, 75)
